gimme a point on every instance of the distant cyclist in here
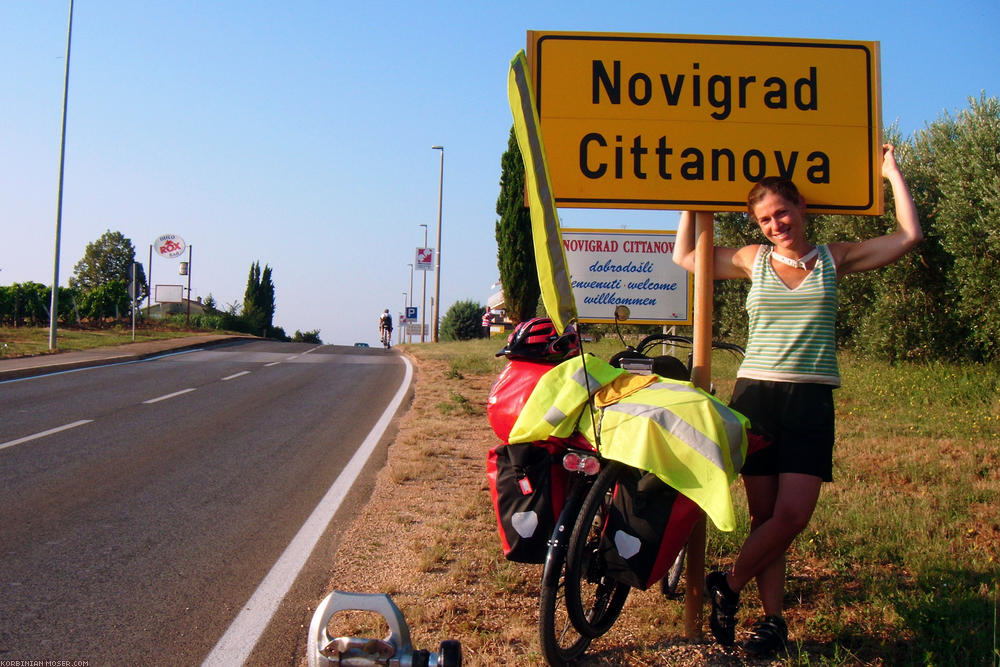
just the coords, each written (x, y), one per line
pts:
(385, 328)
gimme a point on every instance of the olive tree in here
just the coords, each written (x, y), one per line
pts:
(107, 259)
(960, 156)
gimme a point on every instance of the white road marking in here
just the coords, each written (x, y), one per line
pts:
(234, 647)
(235, 375)
(163, 398)
(42, 434)
(100, 366)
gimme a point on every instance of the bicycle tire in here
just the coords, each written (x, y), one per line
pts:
(593, 599)
(561, 642)
(450, 654)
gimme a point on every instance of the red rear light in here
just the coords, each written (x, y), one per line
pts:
(585, 463)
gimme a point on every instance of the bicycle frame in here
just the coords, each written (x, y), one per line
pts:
(559, 542)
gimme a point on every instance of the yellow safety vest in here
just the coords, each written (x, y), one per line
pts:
(554, 408)
(687, 437)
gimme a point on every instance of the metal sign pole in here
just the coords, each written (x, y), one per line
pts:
(409, 336)
(187, 321)
(423, 299)
(134, 293)
(149, 281)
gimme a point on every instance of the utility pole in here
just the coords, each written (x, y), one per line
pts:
(54, 304)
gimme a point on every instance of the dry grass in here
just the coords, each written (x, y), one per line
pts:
(428, 538)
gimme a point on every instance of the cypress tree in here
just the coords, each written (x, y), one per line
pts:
(515, 254)
(258, 299)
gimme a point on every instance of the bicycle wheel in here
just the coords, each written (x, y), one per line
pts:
(593, 599)
(561, 642)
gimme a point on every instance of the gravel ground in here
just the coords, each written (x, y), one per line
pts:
(428, 538)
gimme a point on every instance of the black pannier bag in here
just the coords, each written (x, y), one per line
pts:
(528, 488)
(647, 525)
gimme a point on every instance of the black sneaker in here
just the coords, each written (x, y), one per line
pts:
(725, 604)
(769, 636)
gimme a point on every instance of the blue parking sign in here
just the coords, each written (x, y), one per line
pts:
(411, 313)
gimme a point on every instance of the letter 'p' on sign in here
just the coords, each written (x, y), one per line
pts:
(692, 122)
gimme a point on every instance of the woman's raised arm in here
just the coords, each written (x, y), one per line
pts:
(881, 250)
(729, 262)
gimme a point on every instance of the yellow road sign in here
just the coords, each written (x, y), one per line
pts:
(691, 122)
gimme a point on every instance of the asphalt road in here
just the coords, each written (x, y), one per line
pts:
(141, 504)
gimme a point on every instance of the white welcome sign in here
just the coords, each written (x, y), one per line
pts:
(610, 268)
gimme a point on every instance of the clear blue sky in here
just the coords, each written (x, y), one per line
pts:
(299, 133)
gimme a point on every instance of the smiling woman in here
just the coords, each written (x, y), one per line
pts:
(785, 383)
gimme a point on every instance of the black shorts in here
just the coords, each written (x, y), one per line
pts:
(797, 418)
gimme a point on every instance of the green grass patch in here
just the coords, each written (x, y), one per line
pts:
(28, 341)
(459, 405)
(901, 557)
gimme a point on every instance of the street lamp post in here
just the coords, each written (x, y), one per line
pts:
(54, 301)
(437, 252)
(409, 337)
(423, 302)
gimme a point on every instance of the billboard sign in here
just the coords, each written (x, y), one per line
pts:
(425, 259)
(168, 293)
(692, 122)
(610, 268)
(169, 246)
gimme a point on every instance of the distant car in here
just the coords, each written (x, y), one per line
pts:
(361, 345)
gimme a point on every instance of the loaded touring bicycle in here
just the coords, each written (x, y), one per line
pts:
(603, 470)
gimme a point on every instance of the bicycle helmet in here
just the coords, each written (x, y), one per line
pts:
(536, 339)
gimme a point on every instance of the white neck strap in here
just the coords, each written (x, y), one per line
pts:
(799, 263)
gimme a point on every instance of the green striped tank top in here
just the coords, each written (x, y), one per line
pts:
(791, 336)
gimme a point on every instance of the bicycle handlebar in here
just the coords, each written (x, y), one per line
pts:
(653, 339)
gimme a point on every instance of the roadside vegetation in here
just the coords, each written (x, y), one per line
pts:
(108, 284)
(899, 565)
(28, 341)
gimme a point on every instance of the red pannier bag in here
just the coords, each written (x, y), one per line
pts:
(528, 489)
(510, 392)
(527, 481)
(648, 524)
